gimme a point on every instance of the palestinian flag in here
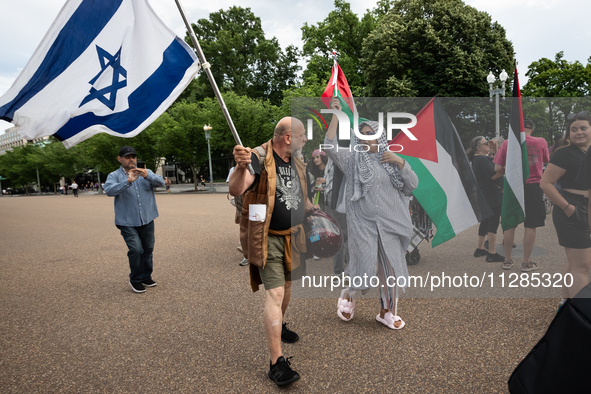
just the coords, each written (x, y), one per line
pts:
(339, 87)
(516, 165)
(447, 189)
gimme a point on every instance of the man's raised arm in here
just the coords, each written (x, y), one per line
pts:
(240, 179)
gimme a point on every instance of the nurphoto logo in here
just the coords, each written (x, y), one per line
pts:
(344, 127)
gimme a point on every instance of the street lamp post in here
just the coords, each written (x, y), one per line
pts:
(207, 128)
(491, 80)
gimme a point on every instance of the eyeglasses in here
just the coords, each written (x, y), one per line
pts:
(582, 114)
(484, 143)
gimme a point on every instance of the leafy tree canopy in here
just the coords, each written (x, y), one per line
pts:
(423, 48)
(563, 87)
(341, 31)
(558, 78)
(242, 59)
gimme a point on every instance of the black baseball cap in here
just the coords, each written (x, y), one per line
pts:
(127, 150)
(527, 123)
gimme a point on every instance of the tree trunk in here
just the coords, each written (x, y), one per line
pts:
(195, 180)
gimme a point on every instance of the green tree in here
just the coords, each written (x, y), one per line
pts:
(182, 135)
(558, 78)
(19, 166)
(57, 161)
(241, 58)
(560, 85)
(341, 31)
(183, 138)
(254, 120)
(100, 152)
(147, 144)
(423, 48)
(311, 88)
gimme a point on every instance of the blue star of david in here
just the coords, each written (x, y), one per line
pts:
(107, 60)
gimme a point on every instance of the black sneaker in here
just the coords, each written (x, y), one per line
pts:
(281, 373)
(149, 283)
(480, 252)
(288, 336)
(494, 258)
(137, 287)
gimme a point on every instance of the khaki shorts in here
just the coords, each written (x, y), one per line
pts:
(275, 273)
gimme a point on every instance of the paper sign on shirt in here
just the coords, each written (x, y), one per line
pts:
(257, 212)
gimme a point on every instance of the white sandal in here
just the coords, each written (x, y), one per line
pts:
(389, 320)
(345, 306)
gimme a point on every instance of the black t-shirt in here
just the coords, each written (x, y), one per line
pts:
(484, 170)
(584, 175)
(289, 209)
(570, 159)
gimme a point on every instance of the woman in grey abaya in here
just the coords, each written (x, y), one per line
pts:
(378, 218)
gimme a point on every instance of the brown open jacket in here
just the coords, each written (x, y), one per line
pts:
(253, 235)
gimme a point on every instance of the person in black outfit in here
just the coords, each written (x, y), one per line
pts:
(490, 184)
(570, 213)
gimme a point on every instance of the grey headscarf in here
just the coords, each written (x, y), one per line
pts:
(364, 173)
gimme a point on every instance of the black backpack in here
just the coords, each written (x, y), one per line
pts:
(561, 360)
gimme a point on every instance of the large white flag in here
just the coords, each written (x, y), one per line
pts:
(107, 66)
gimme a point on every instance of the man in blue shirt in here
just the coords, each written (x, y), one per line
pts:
(135, 211)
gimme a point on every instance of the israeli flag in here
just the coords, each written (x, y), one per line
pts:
(104, 66)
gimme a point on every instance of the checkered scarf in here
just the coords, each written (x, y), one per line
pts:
(364, 175)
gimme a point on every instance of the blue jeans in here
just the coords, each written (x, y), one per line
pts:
(140, 242)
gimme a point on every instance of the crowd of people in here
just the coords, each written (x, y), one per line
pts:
(376, 180)
(366, 191)
(489, 173)
(75, 187)
(566, 182)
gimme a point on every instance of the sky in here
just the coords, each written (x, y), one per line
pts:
(537, 28)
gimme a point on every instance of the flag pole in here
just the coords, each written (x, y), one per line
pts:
(206, 66)
(334, 56)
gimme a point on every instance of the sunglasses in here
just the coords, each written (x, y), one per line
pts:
(582, 114)
(368, 132)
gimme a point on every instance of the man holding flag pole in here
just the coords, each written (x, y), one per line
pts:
(521, 158)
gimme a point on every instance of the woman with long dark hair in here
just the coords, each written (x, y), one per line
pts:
(570, 213)
(321, 174)
(490, 184)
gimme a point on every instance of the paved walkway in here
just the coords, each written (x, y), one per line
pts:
(70, 323)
